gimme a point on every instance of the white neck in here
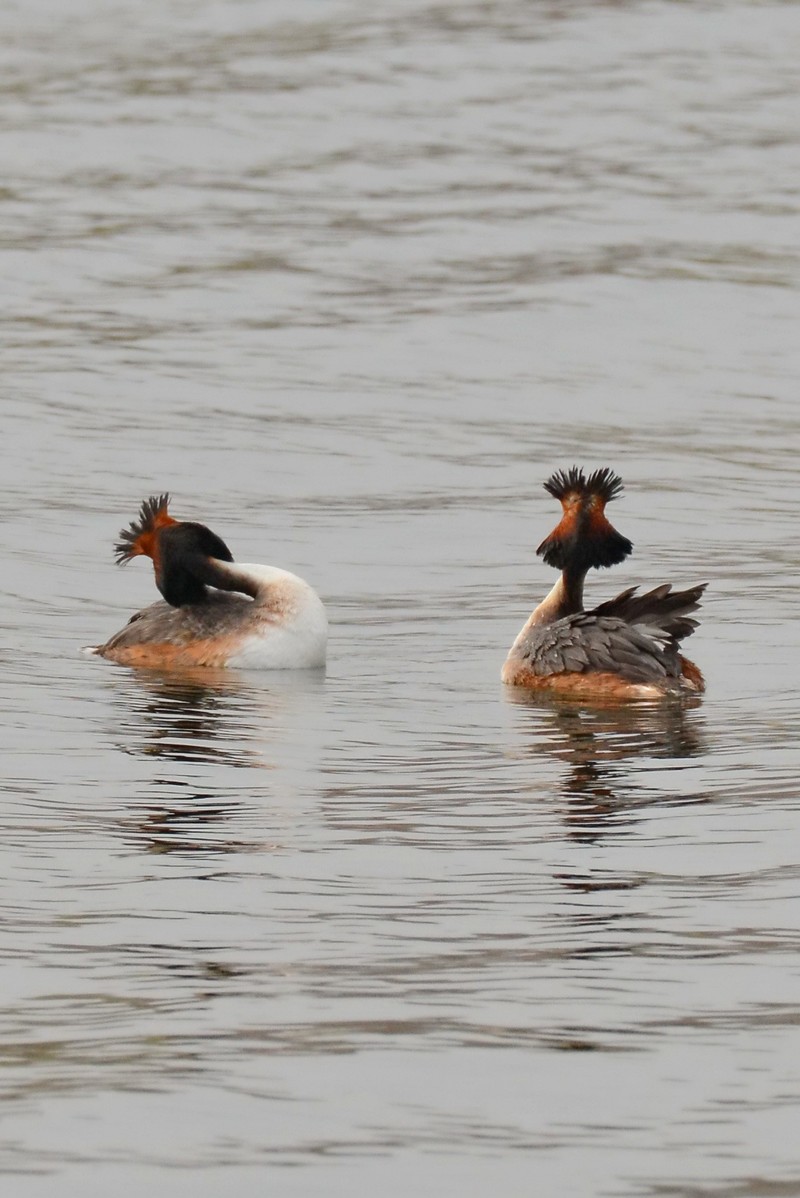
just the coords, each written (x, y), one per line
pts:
(565, 598)
(263, 584)
(287, 618)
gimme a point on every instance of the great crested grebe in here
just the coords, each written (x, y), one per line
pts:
(215, 612)
(624, 649)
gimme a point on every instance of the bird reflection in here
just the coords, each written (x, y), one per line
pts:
(210, 716)
(196, 725)
(193, 823)
(186, 716)
(604, 748)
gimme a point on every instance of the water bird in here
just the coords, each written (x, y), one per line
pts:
(215, 612)
(626, 648)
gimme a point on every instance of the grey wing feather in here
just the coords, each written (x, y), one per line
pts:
(636, 637)
(588, 643)
(160, 622)
(662, 612)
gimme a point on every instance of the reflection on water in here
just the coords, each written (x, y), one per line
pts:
(186, 717)
(199, 823)
(606, 752)
(206, 715)
(202, 718)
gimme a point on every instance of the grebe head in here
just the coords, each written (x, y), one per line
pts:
(181, 551)
(140, 537)
(184, 567)
(584, 539)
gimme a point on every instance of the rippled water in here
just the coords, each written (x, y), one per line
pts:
(350, 281)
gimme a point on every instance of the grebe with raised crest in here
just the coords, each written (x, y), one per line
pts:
(625, 649)
(215, 611)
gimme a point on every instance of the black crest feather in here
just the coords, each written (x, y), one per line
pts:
(123, 550)
(604, 483)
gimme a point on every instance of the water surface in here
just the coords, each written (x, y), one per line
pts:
(351, 283)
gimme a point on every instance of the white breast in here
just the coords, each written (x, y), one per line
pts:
(289, 627)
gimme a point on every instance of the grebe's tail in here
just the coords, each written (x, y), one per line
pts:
(584, 539)
(662, 612)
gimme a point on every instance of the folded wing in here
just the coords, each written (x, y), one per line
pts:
(636, 637)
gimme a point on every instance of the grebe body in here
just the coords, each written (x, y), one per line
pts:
(624, 649)
(215, 612)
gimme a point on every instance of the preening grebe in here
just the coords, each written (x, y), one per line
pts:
(216, 612)
(624, 649)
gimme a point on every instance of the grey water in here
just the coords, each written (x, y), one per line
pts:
(350, 281)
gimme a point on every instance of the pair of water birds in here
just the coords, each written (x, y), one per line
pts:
(218, 612)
